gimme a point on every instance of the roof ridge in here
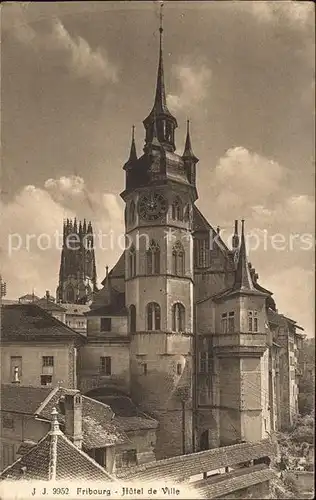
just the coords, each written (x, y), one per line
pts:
(99, 402)
(46, 400)
(87, 457)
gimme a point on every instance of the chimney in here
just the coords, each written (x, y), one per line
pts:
(47, 296)
(106, 271)
(218, 229)
(16, 379)
(73, 418)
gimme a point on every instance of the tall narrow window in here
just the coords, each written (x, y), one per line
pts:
(132, 318)
(178, 317)
(105, 365)
(177, 209)
(224, 323)
(201, 253)
(178, 259)
(132, 213)
(203, 362)
(153, 316)
(253, 321)
(231, 322)
(70, 295)
(132, 262)
(153, 258)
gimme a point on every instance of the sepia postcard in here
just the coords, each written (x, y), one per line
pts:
(157, 250)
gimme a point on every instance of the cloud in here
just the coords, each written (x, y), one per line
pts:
(74, 53)
(294, 291)
(279, 225)
(31, 231)
(82, 60)
(194, 82)
(297, 14)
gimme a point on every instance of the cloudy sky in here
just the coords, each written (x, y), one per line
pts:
(77, 76)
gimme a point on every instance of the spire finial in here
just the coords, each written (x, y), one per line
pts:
(161, 21)
(54, 423)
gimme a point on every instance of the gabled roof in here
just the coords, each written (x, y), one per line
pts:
(99, 430)
(76, 309)
(117, 308)
(49, 305)
(29, 321)
(118, 271)
(29, 296)
(200, 224)
(55, 458)
(22, 399)
(195, 463)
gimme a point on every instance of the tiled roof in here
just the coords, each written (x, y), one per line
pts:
(136, 423)
(99, 430)
(233, 481)
(48, 305)
(29, 321)
(29, 296)
(22, 399)
(196, 463)
(76, 309)
(117, 308)
(127, 415)
(70, 462)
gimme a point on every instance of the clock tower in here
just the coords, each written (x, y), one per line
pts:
(159, 195)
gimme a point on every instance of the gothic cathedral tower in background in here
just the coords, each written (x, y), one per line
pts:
(159, 194)
(77, 274)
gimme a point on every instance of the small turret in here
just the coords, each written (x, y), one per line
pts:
(235, 239)
(189, 158)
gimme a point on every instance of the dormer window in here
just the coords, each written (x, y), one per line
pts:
(253, 326)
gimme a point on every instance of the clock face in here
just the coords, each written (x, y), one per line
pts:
(152, 206)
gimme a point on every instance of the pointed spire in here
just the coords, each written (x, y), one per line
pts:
(235, 239)
(188, 153)
(84, 227)
(166, 121)
(160, 98)
(75, 225)
(243, 279)
(133, 154)
(80, 228)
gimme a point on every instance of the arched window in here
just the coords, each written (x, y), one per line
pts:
(153, 316)
(70, 295)
(132, 262)
(177, 209)
(132, 318)
(178, 317)
(132, 212)
(153, 258)
(178, 262)
(201, 249)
